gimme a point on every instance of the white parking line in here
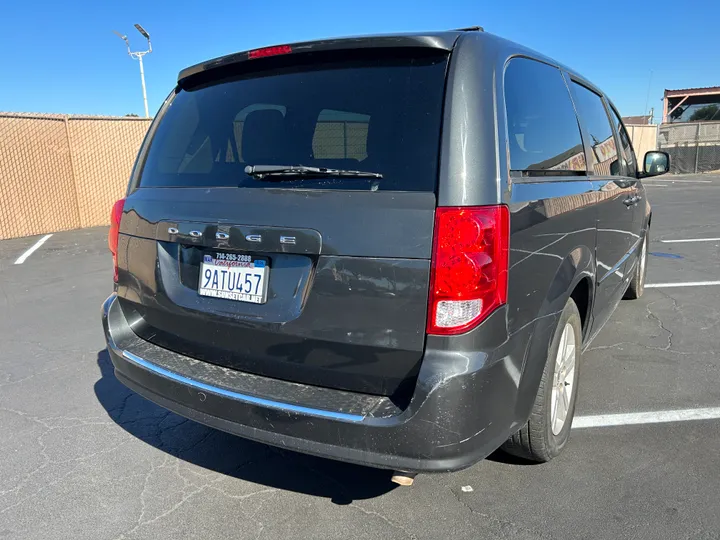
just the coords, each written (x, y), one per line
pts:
(21, 259)
(651, 417)
(690, 240)
(681, 284)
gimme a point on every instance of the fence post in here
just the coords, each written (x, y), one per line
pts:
(72, 168)
(697, 145)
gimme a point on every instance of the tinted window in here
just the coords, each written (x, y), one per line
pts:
(542, 127)
(341, 135)
(381, 116)
(239, 123)
(626, 150)
(595, 119)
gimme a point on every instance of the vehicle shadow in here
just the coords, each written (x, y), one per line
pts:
(227, 454)
(499, 456)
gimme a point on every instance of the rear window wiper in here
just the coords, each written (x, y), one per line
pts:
(291, 172)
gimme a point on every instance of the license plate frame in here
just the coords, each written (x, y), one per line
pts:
(239, 268)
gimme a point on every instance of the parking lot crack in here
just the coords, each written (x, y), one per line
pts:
(205, 437)
(507, 529)
(8, 379)
(652, 316)
(143, 494)
(385, 519)
(51, 424)
(244, 495)
(118, 411)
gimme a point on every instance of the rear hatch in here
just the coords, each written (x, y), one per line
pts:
(320, 278)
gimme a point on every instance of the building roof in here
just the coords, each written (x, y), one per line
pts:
(641, 120)
(693, 91)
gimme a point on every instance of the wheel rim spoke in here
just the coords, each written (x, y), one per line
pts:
(569, 364)
(564, 404)
(563, 379)
(563, 344)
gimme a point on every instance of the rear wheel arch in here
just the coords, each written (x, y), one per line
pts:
(547, 429)
(582, 295)
(574, 276)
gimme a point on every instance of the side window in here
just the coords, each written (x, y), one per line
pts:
(543, 133)
(626, 146)
(592, 114)
(340, 135)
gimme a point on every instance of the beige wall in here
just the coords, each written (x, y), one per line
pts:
(63, 172)
(644, 139)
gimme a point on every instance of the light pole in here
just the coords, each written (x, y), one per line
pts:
(139, 56)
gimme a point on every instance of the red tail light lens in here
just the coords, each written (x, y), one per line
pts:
(269, 51)
(469, 267)
(114, 234)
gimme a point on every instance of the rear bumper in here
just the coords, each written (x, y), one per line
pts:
(462, 409)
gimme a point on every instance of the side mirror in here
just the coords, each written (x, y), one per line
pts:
(656, 163)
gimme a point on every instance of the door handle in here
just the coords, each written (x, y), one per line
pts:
(629, 201)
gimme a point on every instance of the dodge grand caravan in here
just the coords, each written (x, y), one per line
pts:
(386, 250)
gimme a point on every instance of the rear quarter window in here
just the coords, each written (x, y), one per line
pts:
(379, 116)
(543, 132)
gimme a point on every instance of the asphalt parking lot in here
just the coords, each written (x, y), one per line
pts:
(83, 457)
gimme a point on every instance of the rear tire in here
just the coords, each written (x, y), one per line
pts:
(548, 429)
(637, 283)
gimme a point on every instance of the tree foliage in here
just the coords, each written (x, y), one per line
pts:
(708, 112)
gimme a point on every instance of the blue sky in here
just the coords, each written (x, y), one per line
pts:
(62, 57)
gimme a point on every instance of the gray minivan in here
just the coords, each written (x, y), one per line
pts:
(387, 250)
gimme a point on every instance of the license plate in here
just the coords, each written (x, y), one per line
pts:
(235, 277)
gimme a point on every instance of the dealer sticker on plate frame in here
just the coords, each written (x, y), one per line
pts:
(232, 276)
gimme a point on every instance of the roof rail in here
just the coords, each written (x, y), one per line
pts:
(471, 29)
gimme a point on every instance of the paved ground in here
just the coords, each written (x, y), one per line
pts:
(82, 457)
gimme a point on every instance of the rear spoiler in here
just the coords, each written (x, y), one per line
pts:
(442, 41)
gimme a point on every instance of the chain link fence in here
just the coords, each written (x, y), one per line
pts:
(62, 172)
(693, 147)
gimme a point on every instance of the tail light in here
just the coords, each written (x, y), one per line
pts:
(114, 234)
(469, 267)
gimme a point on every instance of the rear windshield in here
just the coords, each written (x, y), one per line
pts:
(382, 116)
